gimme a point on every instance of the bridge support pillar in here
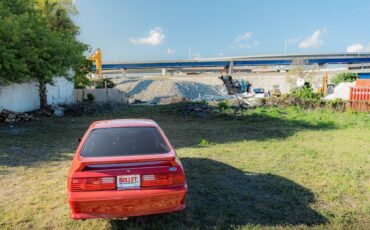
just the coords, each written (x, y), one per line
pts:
(231, 68)
(123, 72)
(164, 71)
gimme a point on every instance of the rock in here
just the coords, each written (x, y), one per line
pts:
(58, 111)
(167, 100)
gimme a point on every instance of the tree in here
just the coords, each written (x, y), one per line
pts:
(344, 77)
(16, 24)
(80, 78)
(38, 42)
(71, 52)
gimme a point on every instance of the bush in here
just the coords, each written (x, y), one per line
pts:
(100, 84)
(223, 105)
(306, 92)
(81, 82)
(344, 77)
(90, 97)
(203, 142)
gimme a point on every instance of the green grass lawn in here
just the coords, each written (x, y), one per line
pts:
(264, 168)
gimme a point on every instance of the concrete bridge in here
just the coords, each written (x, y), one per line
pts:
(359, 61)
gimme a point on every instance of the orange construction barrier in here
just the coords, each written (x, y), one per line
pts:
(360, 98)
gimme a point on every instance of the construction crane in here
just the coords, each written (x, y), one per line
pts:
(96, 57)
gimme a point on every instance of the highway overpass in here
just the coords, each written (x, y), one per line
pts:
(244, 62)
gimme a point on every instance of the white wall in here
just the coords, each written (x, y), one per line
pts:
(19, 97)
(24, 97)
(101, 95)
(61, 92)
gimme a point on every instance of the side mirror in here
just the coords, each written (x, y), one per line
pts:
(79, 139)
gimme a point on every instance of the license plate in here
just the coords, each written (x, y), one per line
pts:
(128, 182)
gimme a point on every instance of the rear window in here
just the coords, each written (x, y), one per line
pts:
(125, 141)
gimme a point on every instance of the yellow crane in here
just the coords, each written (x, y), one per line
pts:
(96, 57)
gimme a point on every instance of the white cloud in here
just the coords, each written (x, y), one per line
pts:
(249, 45)
(170, 51)
(155, 37)
(292, 40)
(197, 56)
(244, 40)
(358, 47)
(243, 37)
(314, 40)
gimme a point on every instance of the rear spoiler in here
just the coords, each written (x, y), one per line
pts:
(85, 161)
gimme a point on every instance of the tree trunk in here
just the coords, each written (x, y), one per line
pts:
(42, 95)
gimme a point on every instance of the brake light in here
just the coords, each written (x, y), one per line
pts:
(93, 184)
(162, 179)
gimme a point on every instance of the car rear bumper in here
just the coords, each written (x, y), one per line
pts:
(125, 203)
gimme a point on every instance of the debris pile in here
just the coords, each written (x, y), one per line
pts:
(7, 116)
(197, 109)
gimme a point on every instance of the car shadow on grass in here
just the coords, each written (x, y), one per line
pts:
(221, 196)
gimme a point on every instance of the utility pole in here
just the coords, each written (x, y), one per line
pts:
(285, 46)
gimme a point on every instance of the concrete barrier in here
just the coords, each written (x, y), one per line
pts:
(101, 95)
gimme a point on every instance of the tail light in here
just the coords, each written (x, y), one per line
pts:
(162, 179)
(93, 184)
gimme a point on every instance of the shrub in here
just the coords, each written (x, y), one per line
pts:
(203, 142)
(90, 97)
(81, 82)
(100, 84)
(344, 77)
(306, 92)
(223, 105)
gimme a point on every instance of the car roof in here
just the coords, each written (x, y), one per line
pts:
(123, 123)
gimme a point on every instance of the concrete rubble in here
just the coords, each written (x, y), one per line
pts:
(198, 109)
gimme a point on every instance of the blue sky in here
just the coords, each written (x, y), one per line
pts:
(168, 29)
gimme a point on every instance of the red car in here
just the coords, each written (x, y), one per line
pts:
(125, 168)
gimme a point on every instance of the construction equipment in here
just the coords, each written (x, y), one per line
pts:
(235, 86)
(275, 92)
(323, 89)
(97, 59)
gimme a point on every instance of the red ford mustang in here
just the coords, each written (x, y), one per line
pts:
(125, 168)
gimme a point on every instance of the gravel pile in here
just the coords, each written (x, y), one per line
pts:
(152, 90)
